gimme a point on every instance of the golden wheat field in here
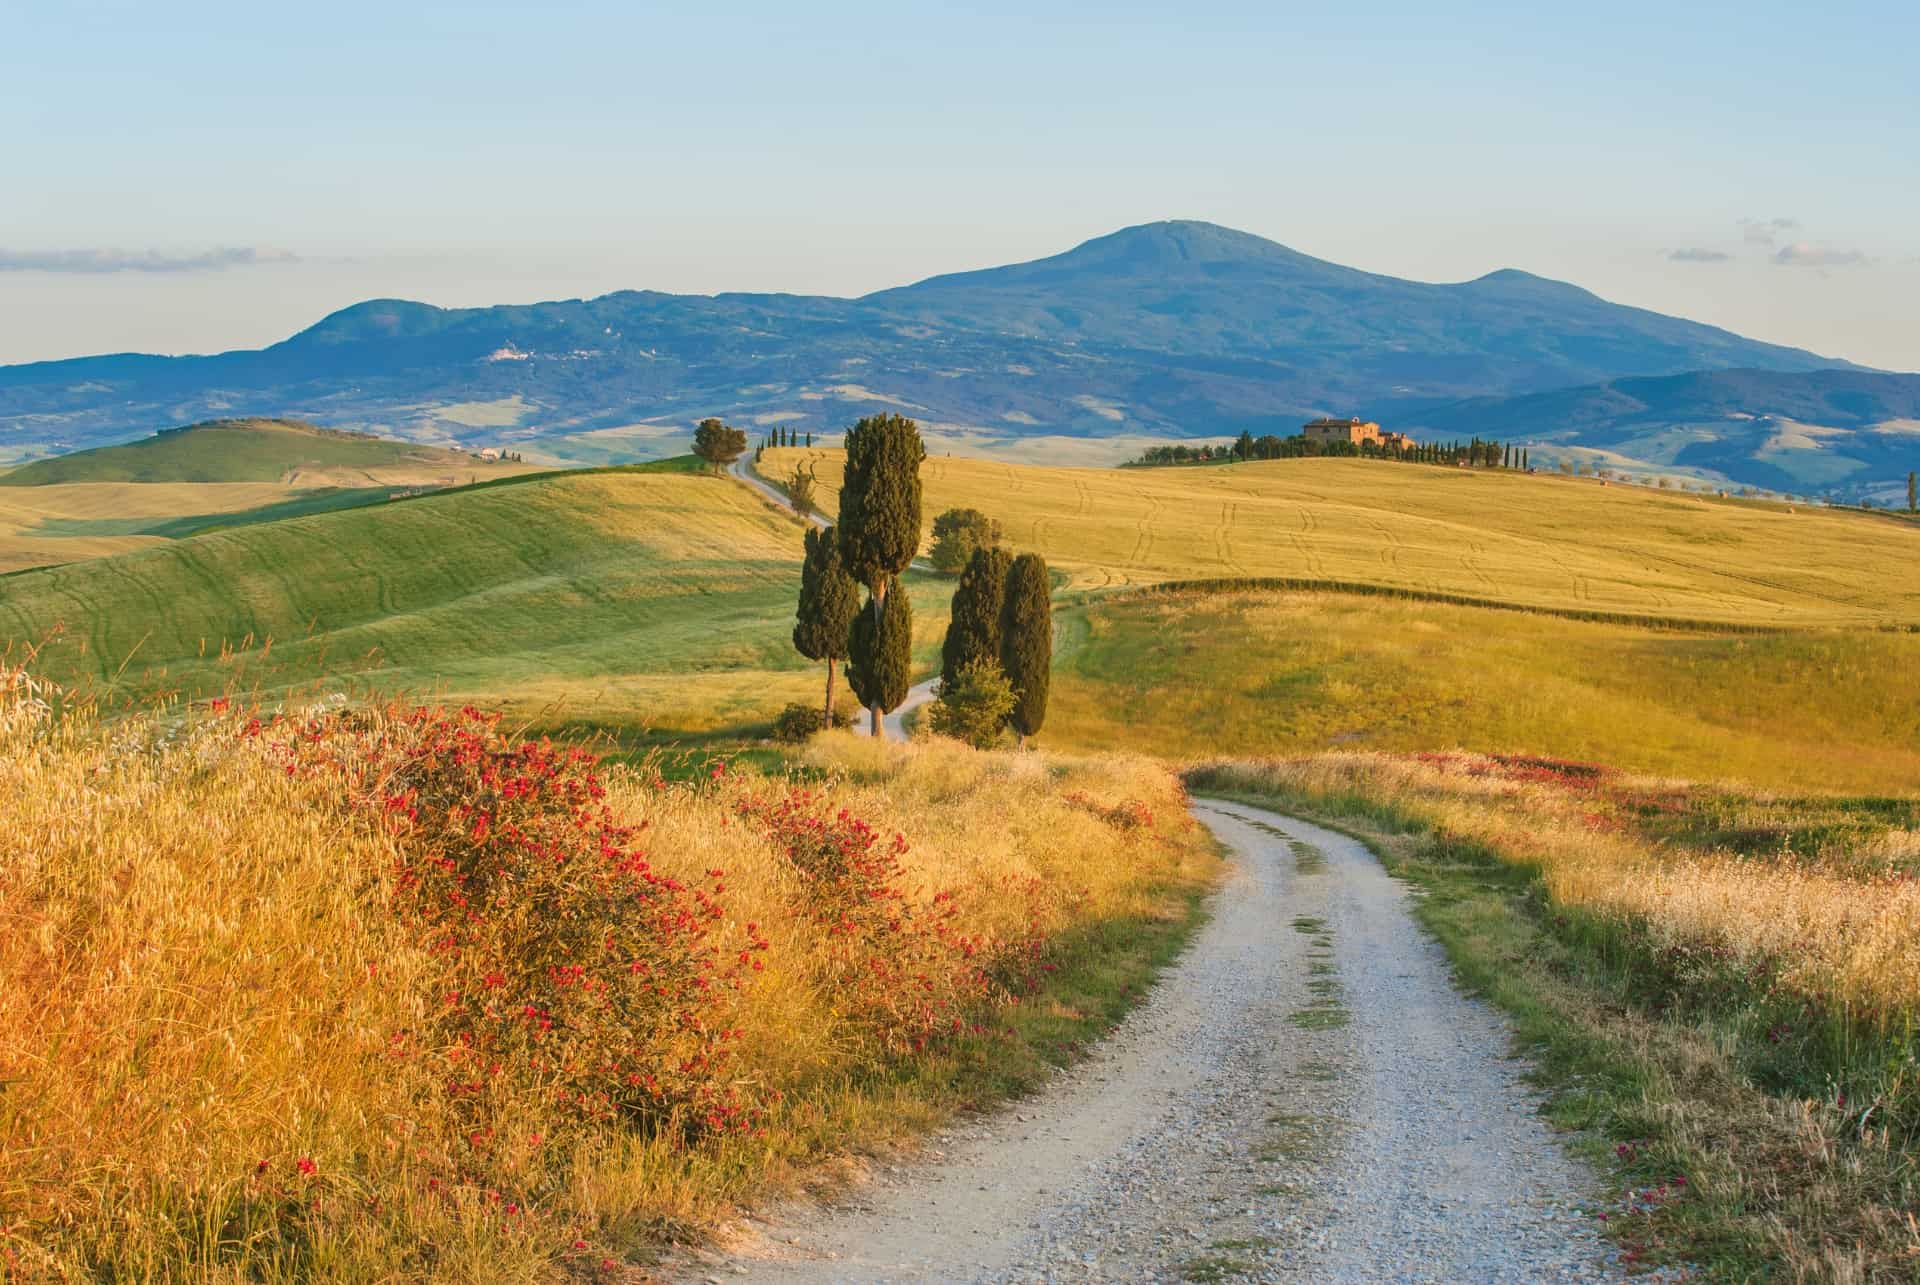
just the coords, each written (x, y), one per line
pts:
(1547, 542)
(41, 525)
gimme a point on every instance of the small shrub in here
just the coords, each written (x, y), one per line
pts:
(798, 722)
(975, 707)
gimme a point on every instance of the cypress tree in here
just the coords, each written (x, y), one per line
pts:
(809, 440)
(973, 632)
(1026, 641)
(880, 512)
(829, 600)
(1912, 494)
(880, 653)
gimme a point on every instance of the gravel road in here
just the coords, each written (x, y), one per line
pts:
(1303, 1097)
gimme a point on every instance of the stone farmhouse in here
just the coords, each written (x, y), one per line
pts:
(1355, 431)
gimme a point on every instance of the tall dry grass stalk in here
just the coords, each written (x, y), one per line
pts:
(1846, 941)
(205, 987)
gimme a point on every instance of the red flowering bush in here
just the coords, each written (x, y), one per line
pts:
(566, 966)
(908, 977)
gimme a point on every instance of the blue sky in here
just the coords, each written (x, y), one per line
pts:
(199, 176)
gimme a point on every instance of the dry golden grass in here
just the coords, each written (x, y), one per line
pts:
(200, 979)
(24, 510)
(1545, 542)
(1843, 939)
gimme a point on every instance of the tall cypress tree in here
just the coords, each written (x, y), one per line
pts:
(973, 631)
(1913, 495)
(829, 600)
(1026, 641)
(880, 512)
(880, 654)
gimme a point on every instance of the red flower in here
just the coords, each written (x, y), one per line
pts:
(305, 1165)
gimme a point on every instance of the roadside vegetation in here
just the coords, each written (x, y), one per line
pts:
(379, 991)
(1720, 987)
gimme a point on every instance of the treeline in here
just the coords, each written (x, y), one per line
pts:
(1474, 453)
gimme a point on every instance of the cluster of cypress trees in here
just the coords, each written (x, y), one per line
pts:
(877, 536)
(1003, 614)
(783, 437)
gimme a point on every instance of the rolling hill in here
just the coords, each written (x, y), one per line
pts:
(659, 604)
(1556, 544)
(285, 451)
(622, 596)
(1176, 329)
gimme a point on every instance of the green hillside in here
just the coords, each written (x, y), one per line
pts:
(603, 597)
(253, 450)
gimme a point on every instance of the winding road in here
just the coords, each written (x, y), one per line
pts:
(895, 723)
(1304, 1096)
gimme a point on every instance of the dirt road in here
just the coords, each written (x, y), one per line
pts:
(1303, 1097)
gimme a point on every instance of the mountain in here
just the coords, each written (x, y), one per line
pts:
(1854, 432)
(1173, 329)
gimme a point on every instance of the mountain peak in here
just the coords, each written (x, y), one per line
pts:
(1168, 250)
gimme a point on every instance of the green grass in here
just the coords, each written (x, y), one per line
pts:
(245, 450)
(645, 602)
(1286, 673)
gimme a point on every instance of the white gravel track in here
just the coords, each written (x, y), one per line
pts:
(1303, 1097)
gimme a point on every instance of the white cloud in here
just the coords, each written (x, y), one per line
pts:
(1694, 254)
(110, 260)
(1807, 254)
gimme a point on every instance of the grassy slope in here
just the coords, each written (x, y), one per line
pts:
(615, 597)
(1291, 673)
(258, 450)
(1543, 542)
(67, 522)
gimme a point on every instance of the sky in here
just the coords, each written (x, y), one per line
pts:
(194, 177)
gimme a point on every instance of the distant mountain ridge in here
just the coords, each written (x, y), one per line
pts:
(1852, 432)
(1174, 329)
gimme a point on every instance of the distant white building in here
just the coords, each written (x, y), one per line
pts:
(488, 453)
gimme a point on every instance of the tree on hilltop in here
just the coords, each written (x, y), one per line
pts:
(957, 533)
(880, 523)
(973, 628)
(1026, 641)
(719, 444)
(829, 600)
(880, 653)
